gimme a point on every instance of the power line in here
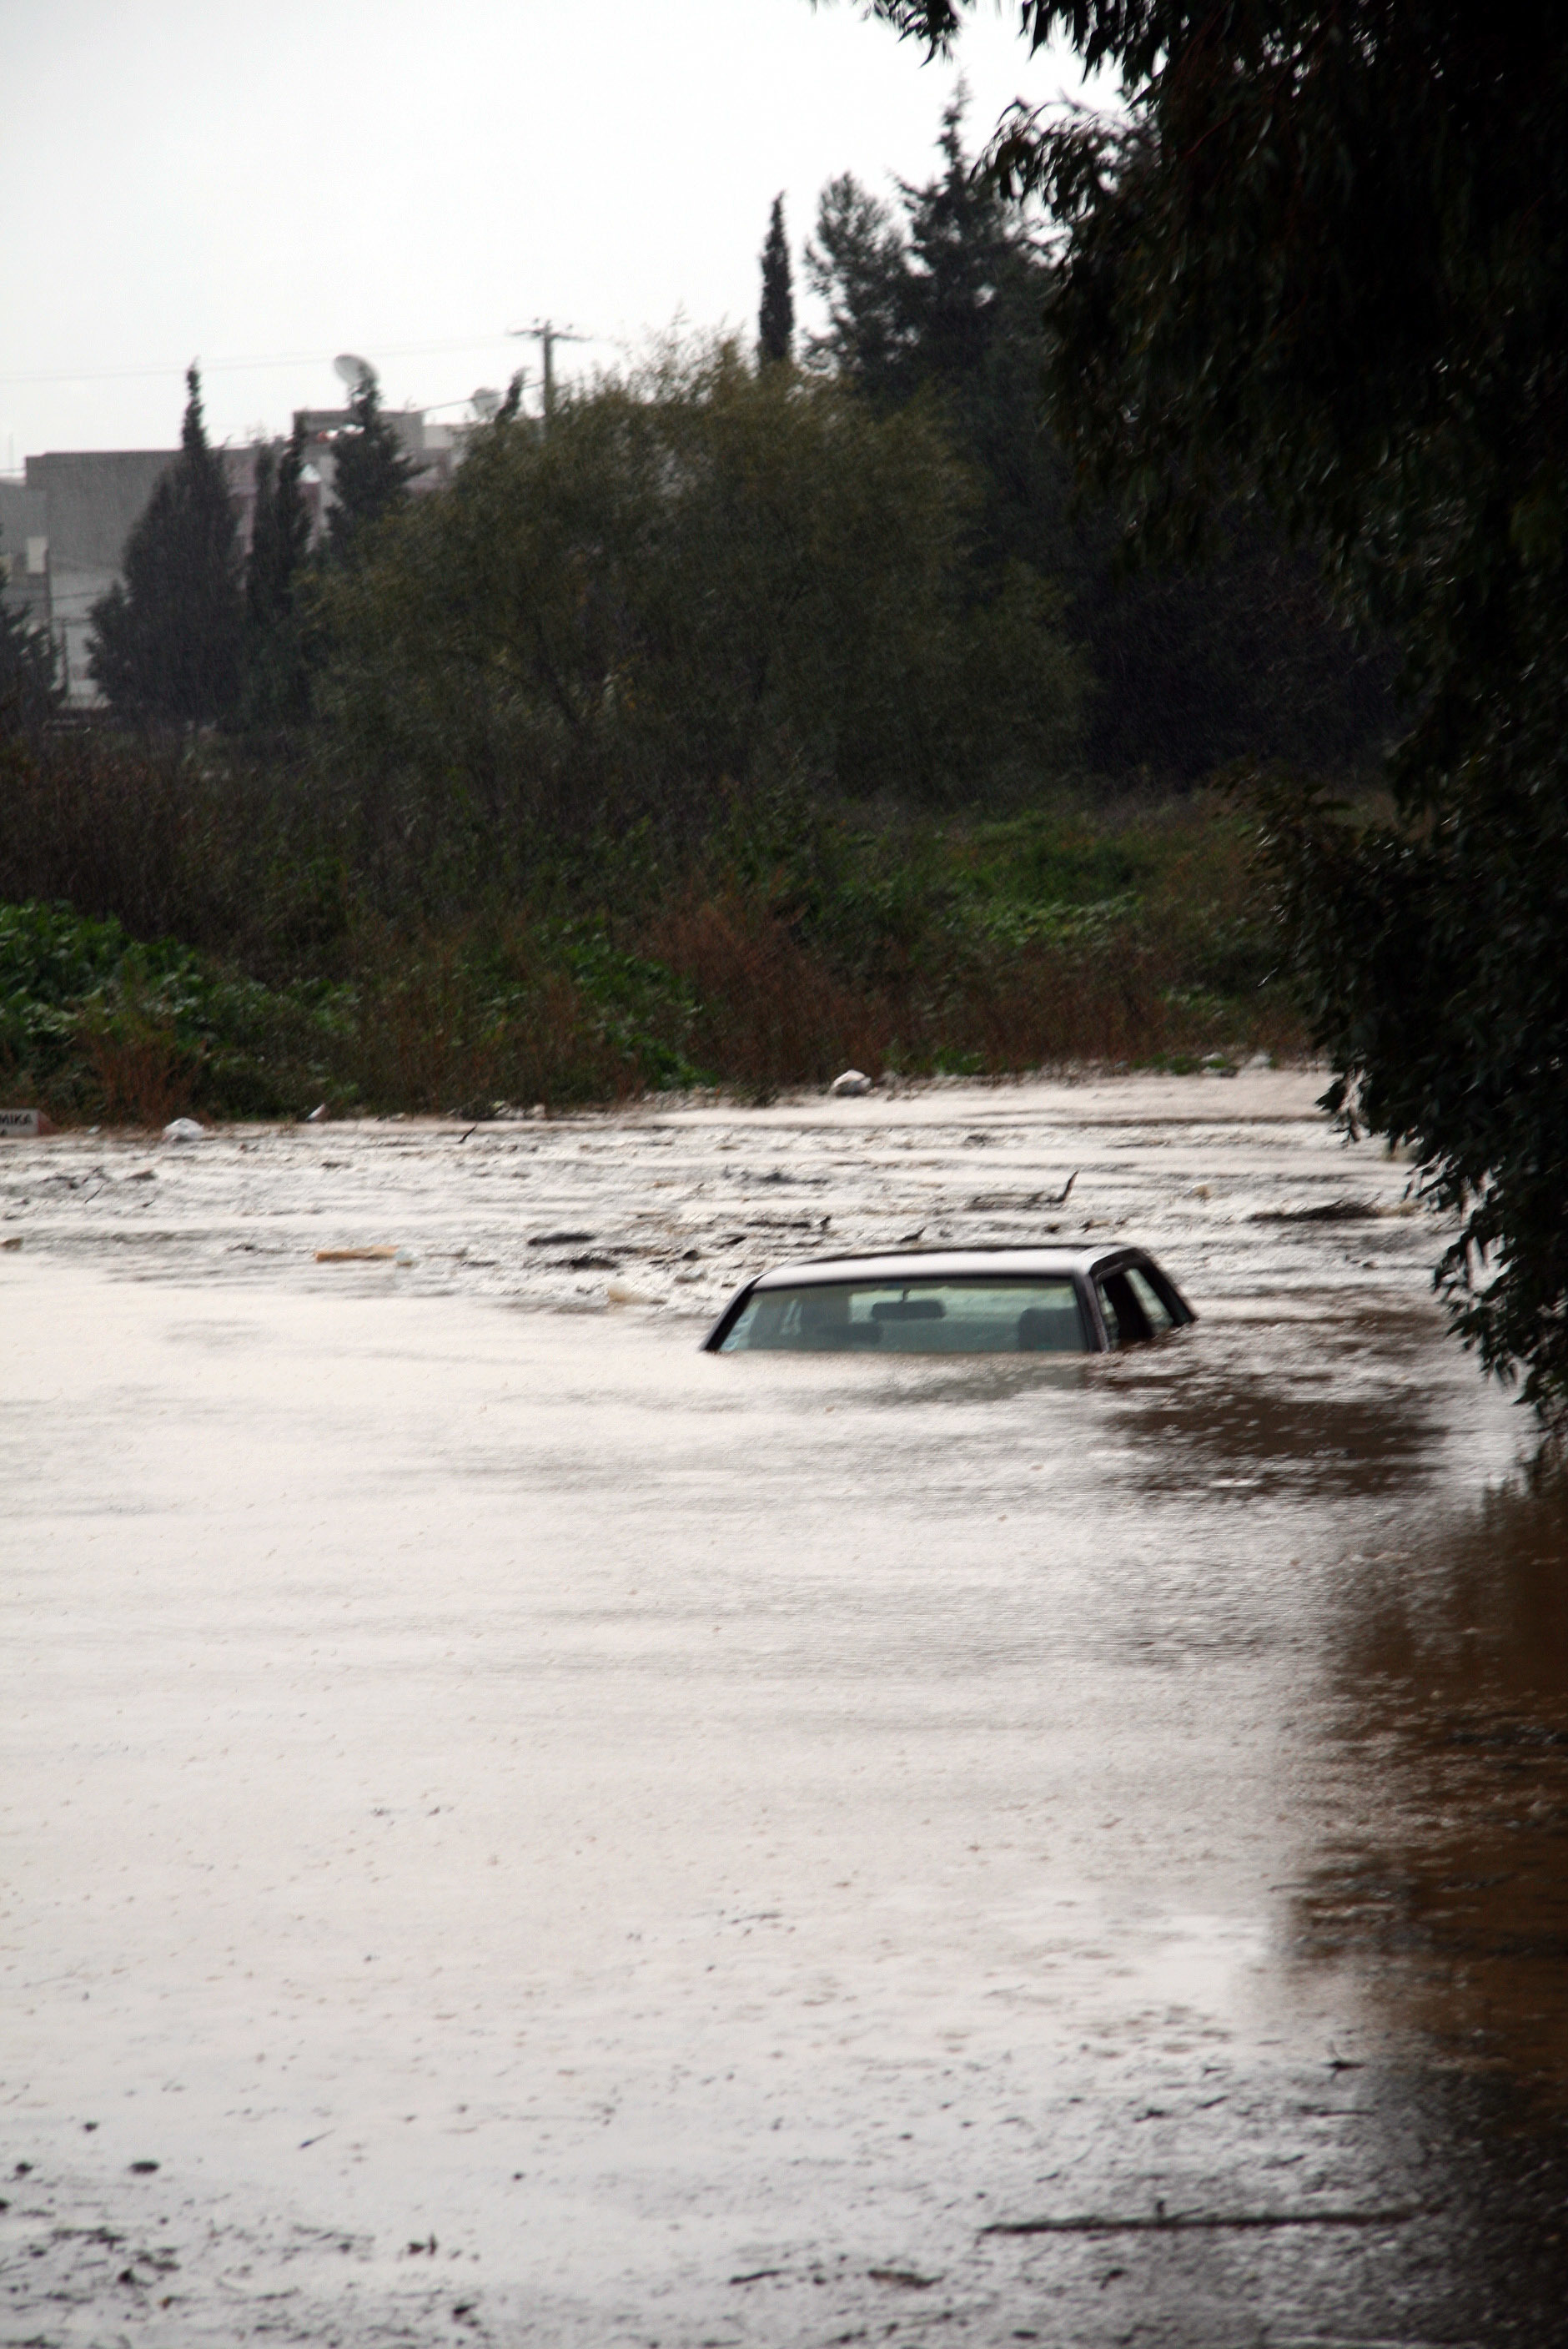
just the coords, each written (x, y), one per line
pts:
(235, 366)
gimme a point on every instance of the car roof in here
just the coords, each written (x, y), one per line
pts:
(1076, 1258)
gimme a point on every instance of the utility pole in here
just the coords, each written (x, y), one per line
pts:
(546, 334)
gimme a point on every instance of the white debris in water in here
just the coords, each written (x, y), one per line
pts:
(184, 1129)
(853, 1081)
(682, 1198)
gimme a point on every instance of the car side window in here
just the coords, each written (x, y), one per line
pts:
(1126, 1322)
(1155, 1312)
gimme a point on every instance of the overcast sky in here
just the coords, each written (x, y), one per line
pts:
(195, 178)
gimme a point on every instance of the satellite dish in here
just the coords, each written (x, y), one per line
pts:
(485, 403)
(352, 370)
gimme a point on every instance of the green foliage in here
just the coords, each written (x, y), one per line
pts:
(945, 296)
(701, 581)
(642, 1009)
(50, 958)
(976, 948)
(1431, 958)
(370, 474)
(857, 264)
(91, 1019)
(1324, 253)
(506, 1008)
(1178, 879)
(786, 943)
(167, 643)
(95, 1023)
(775, 318)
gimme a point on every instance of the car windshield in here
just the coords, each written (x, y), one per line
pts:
(970, 1316)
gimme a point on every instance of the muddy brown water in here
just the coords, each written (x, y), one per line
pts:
(541, 1834)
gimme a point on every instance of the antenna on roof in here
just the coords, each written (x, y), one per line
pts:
(354, 371)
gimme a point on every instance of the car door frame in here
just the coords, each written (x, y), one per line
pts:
(1121, 1261)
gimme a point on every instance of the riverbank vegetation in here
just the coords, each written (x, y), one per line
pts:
(181, 931)
(753, 714)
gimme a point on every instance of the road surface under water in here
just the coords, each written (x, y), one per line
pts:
(542, 1835)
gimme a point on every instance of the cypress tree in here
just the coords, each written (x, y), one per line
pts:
(277, 682)
(370, 472)
(776, 319)
(167, 641)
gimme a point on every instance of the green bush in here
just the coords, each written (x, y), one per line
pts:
(94, 1021)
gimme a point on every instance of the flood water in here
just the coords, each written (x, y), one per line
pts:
(541, 1834)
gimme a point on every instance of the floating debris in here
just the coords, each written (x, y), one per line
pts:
(1197, 2221)
(1335, 1211)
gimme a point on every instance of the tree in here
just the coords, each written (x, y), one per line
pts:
(277, 677)
(776, 320)
(713, 578)
(167, 640)
(1324, 253)
(857, 264)
(944, 298)
(370, 472)
(947, 296)
(30, 686)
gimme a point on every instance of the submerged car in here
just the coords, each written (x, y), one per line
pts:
(981, 1300)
